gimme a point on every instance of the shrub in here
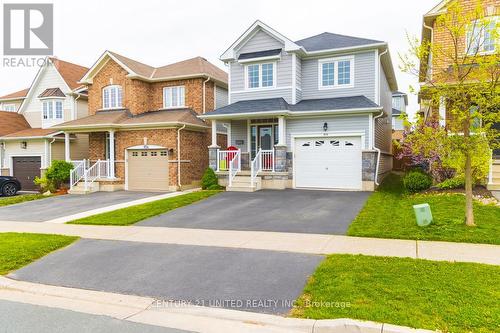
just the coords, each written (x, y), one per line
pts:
(55, 176)
(44, 184)
(209, 180)
(416, 181)
(214, 187)
(455, 182)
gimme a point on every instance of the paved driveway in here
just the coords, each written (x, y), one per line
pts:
(64, 205)
(241, 279)
(302, 211)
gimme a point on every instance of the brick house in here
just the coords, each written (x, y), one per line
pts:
(144, 133)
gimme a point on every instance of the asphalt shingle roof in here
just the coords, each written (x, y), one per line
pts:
(328, 40)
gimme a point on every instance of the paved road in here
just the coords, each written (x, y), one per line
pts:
(253, 280)
(20, 318)
(302, 211)
(64, 205)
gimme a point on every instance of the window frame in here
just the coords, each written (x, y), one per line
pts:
(335, 62)
(469, 33)
(10, 106)
(179, 99)
(53, 109)
(117, 98)
(260, 64)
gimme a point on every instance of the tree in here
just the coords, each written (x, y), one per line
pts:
(464, 75)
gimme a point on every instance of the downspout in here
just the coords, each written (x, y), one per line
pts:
(429, 67)
(50, 152)
(375, 121)
(179, 156)
(204, 94)
(75, 107)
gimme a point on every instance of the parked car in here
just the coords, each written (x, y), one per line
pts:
(9, 186)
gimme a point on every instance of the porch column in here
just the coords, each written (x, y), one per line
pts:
(66, 147)
(228, 136)
(112, 153)
(280, 148)
(442, 111)
(214, 134)
(281, 131)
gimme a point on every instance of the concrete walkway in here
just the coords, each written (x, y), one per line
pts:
(272, 241)
(182, 316)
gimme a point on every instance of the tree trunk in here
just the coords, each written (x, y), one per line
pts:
(469, 212)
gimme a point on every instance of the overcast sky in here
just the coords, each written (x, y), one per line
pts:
(161, 32)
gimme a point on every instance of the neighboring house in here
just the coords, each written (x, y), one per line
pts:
(479, 40)
(143, 124)
(313, 113)
(55, 96)
(399, 104)
(13, 101)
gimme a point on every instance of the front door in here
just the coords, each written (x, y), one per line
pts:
(265, 137)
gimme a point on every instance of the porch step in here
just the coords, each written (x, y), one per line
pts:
(241, 189)
(243, 184)
(80, 188)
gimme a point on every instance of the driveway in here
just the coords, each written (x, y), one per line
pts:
(64, 205)
(301, 211)
(241, 279)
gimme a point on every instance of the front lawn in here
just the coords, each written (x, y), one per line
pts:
(5, 201)
(451, 297)
(134, 214)
(388, 213)
(20, 249)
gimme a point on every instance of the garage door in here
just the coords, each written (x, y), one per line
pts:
(331, 163)
(148, 170)
(26, 168)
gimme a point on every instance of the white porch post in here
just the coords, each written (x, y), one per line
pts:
(281, 131)
(112, 153)
(442, 111)
(214, 133)
(67, 147)
(228, 134)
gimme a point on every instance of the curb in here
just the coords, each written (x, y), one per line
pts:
(145, 310)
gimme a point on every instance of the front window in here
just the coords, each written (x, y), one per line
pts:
(52, 109)
(336, 73)
(260, 75)
(482, 36)
(9, 107)
(112, 97)
(174, 97)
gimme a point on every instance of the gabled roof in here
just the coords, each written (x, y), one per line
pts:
(11, 122)
(52, 92)
(329, 41)
(438, 9)
(32, 132)
(71, 73)
(190, 68)
(21, 94)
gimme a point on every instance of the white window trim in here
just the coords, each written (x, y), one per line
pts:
(481, 37)
(112, 107)
(53, 101)
(7, 106)
(260, 87)
(180, 105)
(335, 72)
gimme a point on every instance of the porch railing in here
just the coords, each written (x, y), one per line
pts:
(255, 167)
(77, 172)
(223, 159)
(267, 157)
(234, 166)
(100, 169)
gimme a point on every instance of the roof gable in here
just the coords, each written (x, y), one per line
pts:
(21, 94)
(11, 122)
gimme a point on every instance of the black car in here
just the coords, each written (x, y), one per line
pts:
(9, 186)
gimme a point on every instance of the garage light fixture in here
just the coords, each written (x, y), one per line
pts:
(24, 145)
(325, 127)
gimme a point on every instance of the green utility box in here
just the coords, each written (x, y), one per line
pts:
(423, 214)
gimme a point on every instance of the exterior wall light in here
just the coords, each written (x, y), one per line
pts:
(325, 127)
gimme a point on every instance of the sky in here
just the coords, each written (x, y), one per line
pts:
(159, 32)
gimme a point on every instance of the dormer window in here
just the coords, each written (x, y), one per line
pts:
(52, 109)
(174, 97)
(336, 72)
(260, 75)
(112, 97)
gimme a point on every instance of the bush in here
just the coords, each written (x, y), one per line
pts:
(55, 176)
(209, 180)
(416, 181)
(448, 184)
(44, 184)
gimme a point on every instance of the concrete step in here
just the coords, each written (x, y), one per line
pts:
(80, 188)
(493, 187)
(241, 188)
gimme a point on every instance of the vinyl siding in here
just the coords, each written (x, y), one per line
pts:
(34, 148)
(335, 124)
(260, 41)
(383, 126)
(82, 108)
(239, 132)
(220, 97)
(364, 78)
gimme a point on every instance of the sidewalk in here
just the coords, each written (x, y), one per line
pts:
(272, 241)
(180, 316)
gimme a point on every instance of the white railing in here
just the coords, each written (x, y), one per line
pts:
(77, 172)
(255, 167)
(234, 166)
(223, 159)
(267, 160)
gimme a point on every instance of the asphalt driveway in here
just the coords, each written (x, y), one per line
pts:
(241, 279)
(64, 205)
(301, 211)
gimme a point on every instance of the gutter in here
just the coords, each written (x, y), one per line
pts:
(179, 156)
(375, 123)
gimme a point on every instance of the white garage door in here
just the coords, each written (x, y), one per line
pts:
(147, 170)
(332, 163)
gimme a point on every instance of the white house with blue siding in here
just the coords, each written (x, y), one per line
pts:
(313, 113)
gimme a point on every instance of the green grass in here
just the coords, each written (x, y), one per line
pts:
(452, 297)
(19, 249)
(388, 213)
(133, 214)
(5, 201)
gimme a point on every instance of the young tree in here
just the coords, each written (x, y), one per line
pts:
(464, 76)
